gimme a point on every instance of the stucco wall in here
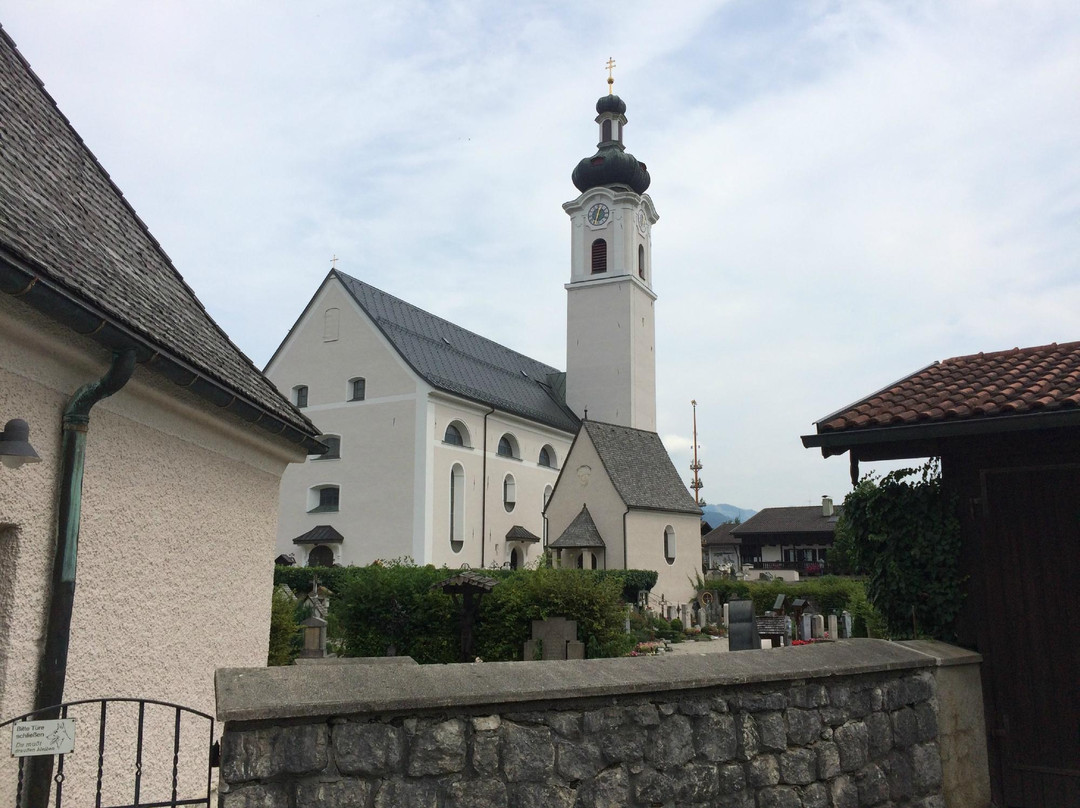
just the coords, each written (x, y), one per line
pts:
(178, 519)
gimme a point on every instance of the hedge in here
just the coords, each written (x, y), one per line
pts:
(390, 606)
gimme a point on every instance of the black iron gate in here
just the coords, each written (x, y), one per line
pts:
(153, 754)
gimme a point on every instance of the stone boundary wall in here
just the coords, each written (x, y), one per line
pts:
(850, 724)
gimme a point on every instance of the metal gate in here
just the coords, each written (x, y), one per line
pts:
(128, 753)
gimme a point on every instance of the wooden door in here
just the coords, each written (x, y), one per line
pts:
(1030, 552)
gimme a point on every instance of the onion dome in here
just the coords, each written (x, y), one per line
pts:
(610, 103)
(612, 164)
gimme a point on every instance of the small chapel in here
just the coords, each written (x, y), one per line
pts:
(454, 450)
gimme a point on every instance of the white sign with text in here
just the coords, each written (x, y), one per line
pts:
(55, 737)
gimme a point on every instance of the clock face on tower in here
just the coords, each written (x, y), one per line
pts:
(598, 214)
(642, 222)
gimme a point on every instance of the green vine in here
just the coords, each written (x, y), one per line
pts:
(905, 535)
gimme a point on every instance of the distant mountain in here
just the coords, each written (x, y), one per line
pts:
(718, 514)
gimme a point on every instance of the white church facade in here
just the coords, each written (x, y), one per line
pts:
(452, 449)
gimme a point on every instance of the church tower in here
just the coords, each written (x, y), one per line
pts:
(610, 334)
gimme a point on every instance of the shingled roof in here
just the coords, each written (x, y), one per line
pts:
(640, 468)
(72, 247)
(582, 532)
(721, 535)
(772, 522)
(451, 358)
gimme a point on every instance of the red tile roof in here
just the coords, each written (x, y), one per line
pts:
(983, 385)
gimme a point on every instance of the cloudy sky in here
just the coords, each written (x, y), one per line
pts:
(848, 191)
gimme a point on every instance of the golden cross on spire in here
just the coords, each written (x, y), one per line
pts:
(610, 78)
(333, 262)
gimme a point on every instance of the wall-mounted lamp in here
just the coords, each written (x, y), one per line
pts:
(15, 448)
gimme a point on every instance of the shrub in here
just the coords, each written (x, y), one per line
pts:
(390, 607)
(284, 630)
(595, 602)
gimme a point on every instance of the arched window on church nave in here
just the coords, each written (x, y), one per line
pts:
(669, 544)
(508, 446)
(599, 256)
(320, 556)
(457, 508)
(547, 457)
(300, 395)
(641, 261)
(456, 434)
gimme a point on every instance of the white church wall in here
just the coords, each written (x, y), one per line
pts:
(379, 435)
(645, 548)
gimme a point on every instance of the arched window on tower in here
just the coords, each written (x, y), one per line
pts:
(641, 261)
(599, 256)
(605, 130)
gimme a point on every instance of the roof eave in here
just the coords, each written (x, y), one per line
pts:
(838, 442)
(54, 301)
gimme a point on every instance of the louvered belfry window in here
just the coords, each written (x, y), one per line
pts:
(599, 256)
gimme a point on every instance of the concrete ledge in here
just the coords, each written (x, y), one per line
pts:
(944, 655)
(250, 694)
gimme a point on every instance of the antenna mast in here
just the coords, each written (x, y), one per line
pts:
(695, 467)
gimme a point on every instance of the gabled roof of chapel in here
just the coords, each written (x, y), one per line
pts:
(640, 468)
(582, 532)
(72, 247)
(453, 359)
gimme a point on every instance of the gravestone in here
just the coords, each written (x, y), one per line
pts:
(554, 638)
(846, 615)
(805, 630)
(834, 627)
(742, 628)
(684, 613)
(817, 626)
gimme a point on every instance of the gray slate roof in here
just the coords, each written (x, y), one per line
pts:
(720, 535)
(582, 532)
(640, 468)
(519, 533)
(450, 358)
(800, 519)
(322, 534)
(64, 221)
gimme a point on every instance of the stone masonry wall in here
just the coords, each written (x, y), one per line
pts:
(852, 741)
